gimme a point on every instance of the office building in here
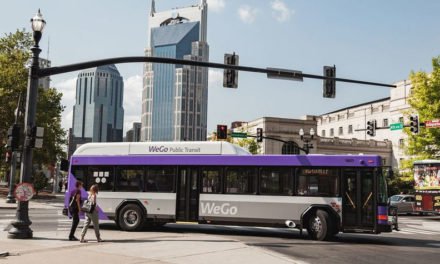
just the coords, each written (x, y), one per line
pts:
(98, 114)
(175, 97)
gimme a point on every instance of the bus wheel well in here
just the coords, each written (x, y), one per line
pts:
(333, 217)
(134, 206)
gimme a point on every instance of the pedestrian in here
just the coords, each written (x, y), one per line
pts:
(92, 216)
(60, 186)
(74, 207)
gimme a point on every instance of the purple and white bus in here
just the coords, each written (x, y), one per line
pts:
(156, 183)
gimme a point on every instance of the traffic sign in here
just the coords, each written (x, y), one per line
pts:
(396, 126)
(432, 123)
(238, 135)
(24, 192)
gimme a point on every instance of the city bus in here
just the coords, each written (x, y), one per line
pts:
(426, 185)
(155, 183)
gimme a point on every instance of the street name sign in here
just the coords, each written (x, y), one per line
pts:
(432, 123)
(238, 135)
(396, 126)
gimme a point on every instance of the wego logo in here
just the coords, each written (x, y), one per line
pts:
(157, 149)
(222, 209)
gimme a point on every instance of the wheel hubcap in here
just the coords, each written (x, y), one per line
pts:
(316, 224)
(131, 218)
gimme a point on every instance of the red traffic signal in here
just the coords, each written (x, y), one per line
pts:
(222, 131)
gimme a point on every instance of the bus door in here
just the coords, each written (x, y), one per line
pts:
(358, 207)
(187, 207)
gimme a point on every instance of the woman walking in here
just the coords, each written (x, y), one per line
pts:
(74, 206)
(92, 216)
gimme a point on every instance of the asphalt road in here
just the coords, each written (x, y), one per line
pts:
(417, 242)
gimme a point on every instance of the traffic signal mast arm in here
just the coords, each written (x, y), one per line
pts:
(269, 71)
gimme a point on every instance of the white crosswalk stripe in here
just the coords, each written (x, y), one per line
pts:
(4, 223)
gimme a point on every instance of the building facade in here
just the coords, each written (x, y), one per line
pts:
(98, 113)
(175, 97)
(282, 137)
(44, 81)
(134, 133)
(350, 122)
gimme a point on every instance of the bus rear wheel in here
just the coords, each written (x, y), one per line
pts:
(319, 226)
(131, 218)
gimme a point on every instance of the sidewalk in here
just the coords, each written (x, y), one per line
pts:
(44, 200)
(135, 247)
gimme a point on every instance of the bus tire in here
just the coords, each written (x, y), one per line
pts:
(319, 226)
(131, 218)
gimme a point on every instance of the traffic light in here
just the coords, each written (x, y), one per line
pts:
(13, 137)
(414, 124)
(329, 85)
(259, 135)
(230, 77)
(222, 131)
(371, 128)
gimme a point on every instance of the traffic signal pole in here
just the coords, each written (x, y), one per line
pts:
(294, 75)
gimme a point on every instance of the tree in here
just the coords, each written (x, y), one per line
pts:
(14, 54)
(425, 102)
(40, 181)
(250, 144)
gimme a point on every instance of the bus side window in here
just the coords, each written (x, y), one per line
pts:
(211, 180)
(129, 179)
(160, 179)
(276, 181)
(241, 180)
(80, 174)
(103, 176)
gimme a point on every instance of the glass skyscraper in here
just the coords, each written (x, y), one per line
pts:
(98, 113)
(175, 97)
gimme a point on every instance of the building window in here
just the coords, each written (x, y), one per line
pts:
(401, 143)
(340, 131)
(350, 129)
(323, 133)
(332, 132)
(401, 119)
(385, 122)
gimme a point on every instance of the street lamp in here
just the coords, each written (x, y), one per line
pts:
(21, 224)
(307, 140)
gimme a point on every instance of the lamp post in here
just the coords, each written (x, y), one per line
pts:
(307, 140)
(21, 224)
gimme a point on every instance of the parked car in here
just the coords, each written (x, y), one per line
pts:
(405, 203)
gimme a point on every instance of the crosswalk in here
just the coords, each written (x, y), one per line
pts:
(412, 226)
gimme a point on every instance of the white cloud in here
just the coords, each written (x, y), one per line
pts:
(216, 5)
(247, 14)
(280, 11)
(68, 88)
(132, 101)
(215, 77)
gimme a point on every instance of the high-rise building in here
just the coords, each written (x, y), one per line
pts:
(175, 97)
(134, 133)
(45, 81)
(98, 114)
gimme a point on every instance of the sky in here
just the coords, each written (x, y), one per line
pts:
(375, 40)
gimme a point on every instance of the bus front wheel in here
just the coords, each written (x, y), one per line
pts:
(131, 218)
(319, 226)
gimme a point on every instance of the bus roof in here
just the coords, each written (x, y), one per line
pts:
(160, 148)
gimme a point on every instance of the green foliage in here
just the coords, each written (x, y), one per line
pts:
(39, 181)
(425, 101)
(250, 144)
(14, 54)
